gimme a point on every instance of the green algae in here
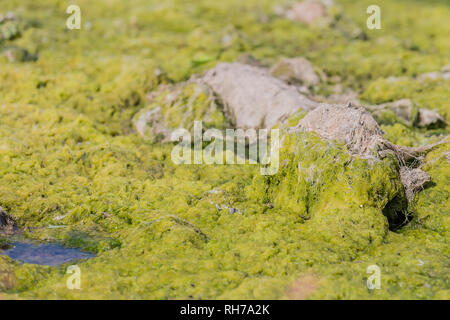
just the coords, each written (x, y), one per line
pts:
(10, 27)
(179, 107)
(343, 197)
(69, 156)
(429, 94)
(432, 204)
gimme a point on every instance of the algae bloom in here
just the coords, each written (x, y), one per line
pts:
(362, 183)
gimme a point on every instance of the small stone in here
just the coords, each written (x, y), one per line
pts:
(430, 76)
(247, 58)
(296, 70)
(307, 12)
(17, 54)
(436, 75)
(402, 108)
(429, 119)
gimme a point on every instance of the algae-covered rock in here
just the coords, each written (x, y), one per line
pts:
(405, 111)
(429, 119)
(342, 197)
(355, 127)
(10, 26)
(296, 70)
(444, 74)
(9, 16)
(390, 112)
(17, 54)
(178, 106)
(344, 193)
(229, 95)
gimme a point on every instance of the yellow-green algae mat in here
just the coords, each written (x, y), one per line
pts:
(69, 156)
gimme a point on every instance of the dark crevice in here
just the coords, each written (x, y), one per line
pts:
(397, 213)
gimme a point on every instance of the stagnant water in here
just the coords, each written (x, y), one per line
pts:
(44, 254)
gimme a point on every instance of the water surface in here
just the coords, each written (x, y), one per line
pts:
(43, 254)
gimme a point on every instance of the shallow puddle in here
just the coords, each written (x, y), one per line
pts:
(43, 254)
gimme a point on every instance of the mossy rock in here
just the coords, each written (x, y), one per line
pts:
(340, 196)
(176, 107)
(10, 27)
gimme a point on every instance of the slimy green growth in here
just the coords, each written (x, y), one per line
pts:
(70, 155)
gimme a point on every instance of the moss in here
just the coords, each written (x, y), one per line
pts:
(402, 135)
(341, 197)
(427, 94)
(293, 120)
(432, 204)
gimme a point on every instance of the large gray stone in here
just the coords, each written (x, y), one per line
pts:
(253, 97)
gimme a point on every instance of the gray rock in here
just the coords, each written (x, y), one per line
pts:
(353, 126)
(362, 135)
(429, 119)
(405, 111)
(444, 74)
(252, 97)
(177, 106)
(151, 120)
